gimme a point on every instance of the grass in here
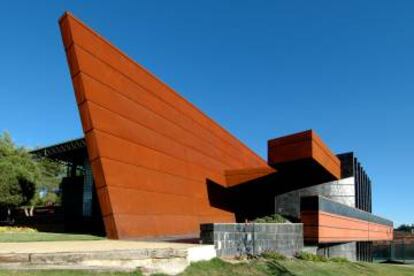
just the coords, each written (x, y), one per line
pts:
(259, 267)
(339, 260)
(218, 267)
(64, 273)
(16, 229)
(44, 236)
(352, 268)
(271, 255)
(26, 234)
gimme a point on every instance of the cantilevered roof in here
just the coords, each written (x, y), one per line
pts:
(72, 151)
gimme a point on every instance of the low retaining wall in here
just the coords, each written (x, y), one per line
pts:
(105, 255)
(235, 239)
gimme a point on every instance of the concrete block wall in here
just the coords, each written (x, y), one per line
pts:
(345, 250)
(236, 239)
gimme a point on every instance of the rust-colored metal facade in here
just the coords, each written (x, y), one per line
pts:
(302, 147)
(323, 227)
(154, 155)
(151, 151)
(327, 221)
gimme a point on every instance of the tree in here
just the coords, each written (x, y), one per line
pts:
(22, 176)
(19, 174)
(51, 173)
(406, 227)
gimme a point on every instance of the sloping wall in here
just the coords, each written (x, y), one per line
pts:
(151, 150)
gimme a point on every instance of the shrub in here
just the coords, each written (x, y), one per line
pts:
(272, 255)
(306, 256)
(275, 218)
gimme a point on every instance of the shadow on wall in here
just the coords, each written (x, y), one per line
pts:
(247, 201)
(256, 198)
(220, 197)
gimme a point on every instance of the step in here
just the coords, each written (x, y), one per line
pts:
(169, 258)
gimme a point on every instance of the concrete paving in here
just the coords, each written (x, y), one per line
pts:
(86, 246)
(149, 257)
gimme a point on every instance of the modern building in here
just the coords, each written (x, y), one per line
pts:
(152, 165)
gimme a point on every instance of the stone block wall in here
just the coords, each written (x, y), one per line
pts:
(344, 250)
(235, 239)
(342, 191)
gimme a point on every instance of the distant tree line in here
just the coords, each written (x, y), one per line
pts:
(23, 175)
(406, 228)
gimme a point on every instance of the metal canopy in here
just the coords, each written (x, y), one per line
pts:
(73, 151)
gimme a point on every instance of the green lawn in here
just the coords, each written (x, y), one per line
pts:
(64, 273)
(43, 236)
(217, 267)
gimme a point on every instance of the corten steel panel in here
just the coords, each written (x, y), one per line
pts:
(327, 221)
(151, 151)
(322, 227)
(236, 177)
(301, 147)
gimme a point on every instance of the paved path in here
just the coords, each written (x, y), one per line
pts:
(87, 246)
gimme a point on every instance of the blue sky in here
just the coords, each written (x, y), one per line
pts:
(261, 69)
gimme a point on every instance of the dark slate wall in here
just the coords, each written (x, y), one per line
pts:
(237, 239)
(350, 166)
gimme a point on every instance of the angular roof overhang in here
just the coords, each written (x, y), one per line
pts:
(304, 154)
